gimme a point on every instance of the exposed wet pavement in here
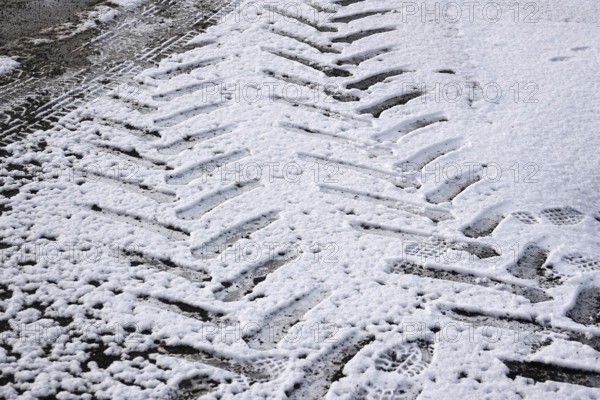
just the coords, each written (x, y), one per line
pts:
(70, 51)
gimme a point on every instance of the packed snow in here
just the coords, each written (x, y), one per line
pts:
(344, 200)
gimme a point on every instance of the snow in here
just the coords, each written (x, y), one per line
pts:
(367, 274)
(128, 5)
(7, 65)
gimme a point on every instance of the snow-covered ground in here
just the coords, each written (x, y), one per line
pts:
(358, 199)
(7, 65)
